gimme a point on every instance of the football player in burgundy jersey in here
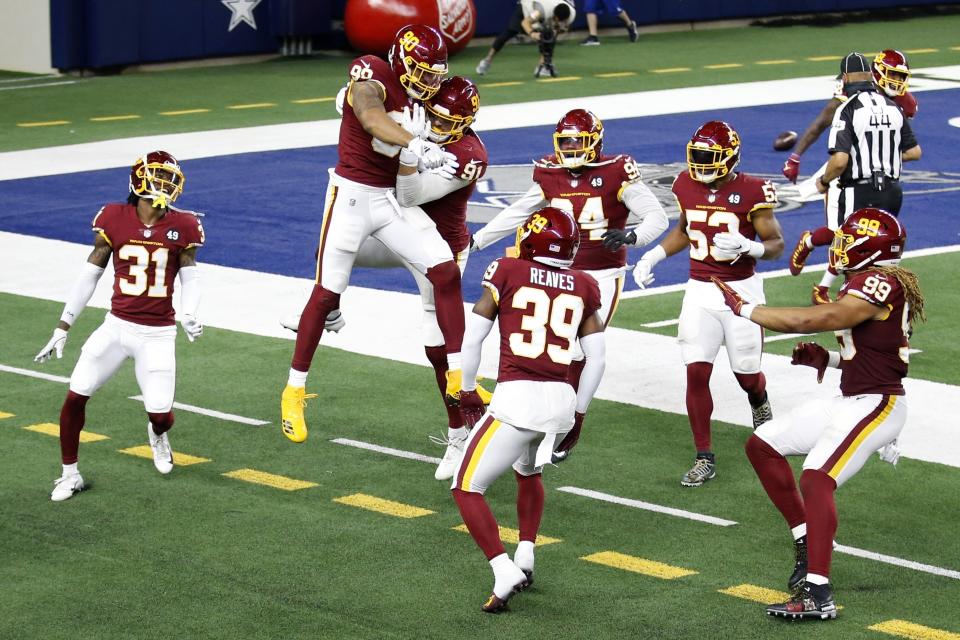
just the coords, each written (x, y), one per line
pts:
(440, 200)
(360, 204)
(873, 316)
(604, 194)
(151, 244)
(891, 74)
(721, 212)
(542, 307)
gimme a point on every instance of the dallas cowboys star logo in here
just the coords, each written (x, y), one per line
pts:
(241, 11)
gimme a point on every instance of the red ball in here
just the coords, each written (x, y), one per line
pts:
(372, 24)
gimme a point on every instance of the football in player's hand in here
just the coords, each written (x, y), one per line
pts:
(785, 141)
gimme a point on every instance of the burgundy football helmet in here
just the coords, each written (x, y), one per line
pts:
(867, 237)
(713, 151)
(891, 72)
(549, 236)
(578, 138)
(157, 177)
(418, 56)
(452, 109)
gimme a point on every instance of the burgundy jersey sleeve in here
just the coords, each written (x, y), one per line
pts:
(362, 158)
(450, 212)
(540, 313)
(875, 354)
(105, 220)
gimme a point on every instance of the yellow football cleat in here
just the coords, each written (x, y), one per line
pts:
(454, 386)
(485, 395)
(292, 403)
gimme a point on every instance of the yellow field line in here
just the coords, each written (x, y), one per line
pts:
(184, 112)
(638, 565)
(916, 51)
(312, 100)
(130, 116)
(49, 123)
(491, 85)
(512, 536)
(380, 505)
(913, 631)
(774, 62)
(561, 79)
(4, 415)
(50, 429)
(756, 594)
(954, 48)
(616, 74)
(824, 58)
(179, 459)
(670, 70)
(269, 479)
(253, 105)
(726, 65)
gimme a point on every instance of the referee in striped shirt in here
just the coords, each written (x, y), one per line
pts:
(870, 139)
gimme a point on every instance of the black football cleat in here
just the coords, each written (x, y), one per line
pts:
(762, 412)
(799, 575)
(812, 602)
(526, 584)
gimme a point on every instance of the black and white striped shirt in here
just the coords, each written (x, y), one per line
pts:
(871, 128)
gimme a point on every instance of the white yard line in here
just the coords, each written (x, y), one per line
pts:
(34, 374)
(390, 451)
(37, 86)
(661, 323)
(229, 417)
(647, 506)
(205, 144)
(899, 562)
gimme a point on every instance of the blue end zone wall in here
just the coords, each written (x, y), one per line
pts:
(264, 208)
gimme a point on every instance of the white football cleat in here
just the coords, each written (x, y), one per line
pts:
(333, 323)
(65, 487)
(451, 457)
(162, 453)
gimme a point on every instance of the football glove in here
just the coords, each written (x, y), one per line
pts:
(427, 155)
(643, 272)
(791, 168)
(414, 121)
(471, 406)
(613, 239)
(736, 243)
(562, 452)
(730, 297)
(192, 327)
(53, 346)
(813, 355)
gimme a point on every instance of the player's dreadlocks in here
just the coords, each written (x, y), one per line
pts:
(911, 290)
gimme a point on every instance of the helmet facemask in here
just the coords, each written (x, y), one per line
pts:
(421, 80)
(575, 148)
(446, 127)
(159, 182)
(707, 163)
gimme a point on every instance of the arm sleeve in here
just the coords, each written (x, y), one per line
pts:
(189, 290)
(907, 139)
(647, 210)
(81, 292)
(595, 353)
(417, 188)
(477, 329)
(841, 134)
(510, 218)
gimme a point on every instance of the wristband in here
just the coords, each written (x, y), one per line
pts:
(655, 255)
(756, 249)
(833, 359)
(747, 310)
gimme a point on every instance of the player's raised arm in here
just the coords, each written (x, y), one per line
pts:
(507, 221)
(78, 298)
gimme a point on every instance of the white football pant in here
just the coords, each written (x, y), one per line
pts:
(153, 353)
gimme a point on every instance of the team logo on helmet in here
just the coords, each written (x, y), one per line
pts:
(157, 177)
(869, 236)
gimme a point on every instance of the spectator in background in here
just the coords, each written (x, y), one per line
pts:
(542, 20)
(611, 7)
